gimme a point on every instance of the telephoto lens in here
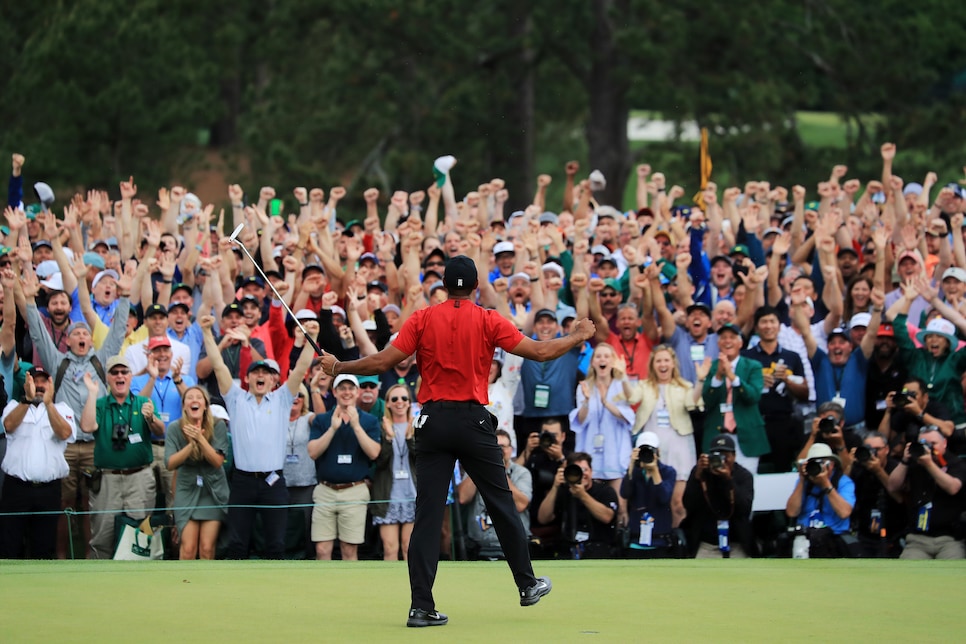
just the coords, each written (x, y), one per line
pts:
(826, 425)
(646, 455)
(863, 454)
(919, 449)
(547, 440)
(573, 474)
(813, 468)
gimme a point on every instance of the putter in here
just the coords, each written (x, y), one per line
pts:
(45, 194)
(234, 237)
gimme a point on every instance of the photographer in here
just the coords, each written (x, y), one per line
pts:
(718, 499)
(542, 455)
(647, 488)
(911, 408)
(828, 427)
(878, 517)
(822, 501)
(584, 510)
(932, 487)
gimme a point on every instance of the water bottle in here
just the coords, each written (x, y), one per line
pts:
(800, 544)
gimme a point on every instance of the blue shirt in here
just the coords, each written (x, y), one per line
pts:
(195, 341)
(259, 431)
(643, 496)
(165, 396)
(560, 375)
(343, 461)
(682, 341)
(817, 509)
(847, 382)
(105, 313)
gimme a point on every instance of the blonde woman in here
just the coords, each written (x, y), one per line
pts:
(393, 487)
(603, 417)
(195, 445)
(665, 399)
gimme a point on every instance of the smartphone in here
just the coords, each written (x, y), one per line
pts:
(275, 207)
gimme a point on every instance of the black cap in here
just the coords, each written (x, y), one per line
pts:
(546, 313)
(460, 274)
(377, 284)
(722, 443)
(40, 244)
(234, 307)
(181, 286)
(176, 305)
(312, 267)
(731, 326)
(250, 298)
(155, 309)
(699, 306)
(254, 279)
(33, 372)
(847, 249)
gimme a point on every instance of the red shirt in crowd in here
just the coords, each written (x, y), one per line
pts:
(454, 343)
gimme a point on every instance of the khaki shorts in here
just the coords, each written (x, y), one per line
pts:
(340, 513)
(79, 455)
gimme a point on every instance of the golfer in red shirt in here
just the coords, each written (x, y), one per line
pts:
(454, 343)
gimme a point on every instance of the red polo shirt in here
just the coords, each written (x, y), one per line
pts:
(454, 343)
(636, 353)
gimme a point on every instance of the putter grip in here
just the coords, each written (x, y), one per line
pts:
(315, 346)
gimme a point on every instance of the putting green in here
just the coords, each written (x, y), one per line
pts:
(603, 601)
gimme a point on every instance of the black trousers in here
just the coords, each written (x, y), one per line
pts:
(465, 431)
(247, 490)
(40, 530)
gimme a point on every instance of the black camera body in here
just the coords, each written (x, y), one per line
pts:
(547, 440)
(863, 454)
(120, 435)
(646, 455)
(900, 399)
(716, 460)
(813, 468)
(573, 474)
(827, 425)
(919, 449)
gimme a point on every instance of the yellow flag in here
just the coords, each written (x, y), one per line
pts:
(705, 168)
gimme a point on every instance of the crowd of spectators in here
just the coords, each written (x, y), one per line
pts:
(147, 366)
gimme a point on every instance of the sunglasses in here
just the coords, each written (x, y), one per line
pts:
(434, 264)
(398, 398)
(368, 385)
(120, 372)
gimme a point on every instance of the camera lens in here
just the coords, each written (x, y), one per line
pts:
(863, 454)
(716, 460)
(813, 468)
(826, 425)
(573, 474)
(547, 440)
(646, 455)
(919, 449)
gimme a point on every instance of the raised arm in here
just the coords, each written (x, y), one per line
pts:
(222, 374)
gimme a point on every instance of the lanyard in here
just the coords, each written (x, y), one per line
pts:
(162, 394)
(633, 353)
(837, 374)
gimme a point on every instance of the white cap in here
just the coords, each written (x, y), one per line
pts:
(46, 268)
(345, 377)
(306, 314)
(519, 276)
(369, 325)
(555, 267)
(108, 273)
(953, 271)
(217, 411)
(55, 282)
(504, 247)
(650, 439)
(339, 310)
(860, 319)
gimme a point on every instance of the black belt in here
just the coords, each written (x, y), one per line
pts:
(455, 404)
(157, 441)
(132, 470)
(258, 475)
(19, 481)
(341, 486)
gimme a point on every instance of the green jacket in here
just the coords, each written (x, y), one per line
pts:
(941, 375)
(750, 426)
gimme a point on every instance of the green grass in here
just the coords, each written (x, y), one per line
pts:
(605, 601)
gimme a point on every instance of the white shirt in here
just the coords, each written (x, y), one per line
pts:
(790, 339)
(259, 432)
(137, 356)
(34, 452)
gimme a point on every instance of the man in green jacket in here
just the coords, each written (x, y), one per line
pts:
(731, 395)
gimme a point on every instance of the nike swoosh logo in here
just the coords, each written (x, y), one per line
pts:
(482, 421)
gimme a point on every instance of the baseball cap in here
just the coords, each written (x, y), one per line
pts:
(699, 306)
(519, 276)
(460, 273)
(370, 257)
(38, 371)
(886, 331)
(219, 412)
(312, 267)
(839, 330)
(847, 249)
(956, 273)
(93, 259)
(268, 364)
(610, 282)
(181, 286)
(158, 341)
(740, 249)
(720, 258)
(178, 305)
(249, 299)
(40, 244)
(345, 377)
(234, 307)
(503, 247)
(306, 314)
(549, 218)
(55, 282)
(338, 310)
(912, 254)
(392, 308)
(600, 249)
(771, 230)
(78, 325)
(565, 313)
(369, 325)
(555, 267)
(46, 268)
(546, 313)
(860, 319)
(371, 380)
(912, 189)
(722, 443)
(732, 327)
(155, 309)
(108, 273)
(254, 279)
(648, 439)
(377, 284)
(117, 361)
(609, 211)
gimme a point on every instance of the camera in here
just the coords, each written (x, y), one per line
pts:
(119, 436)
(901, 399)
(716, 460)
(827, 425)
(863, 454)
(573, 474)
(813, 468)
(919, 449)
(740, 269)
(547, 440)
(646, 455)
